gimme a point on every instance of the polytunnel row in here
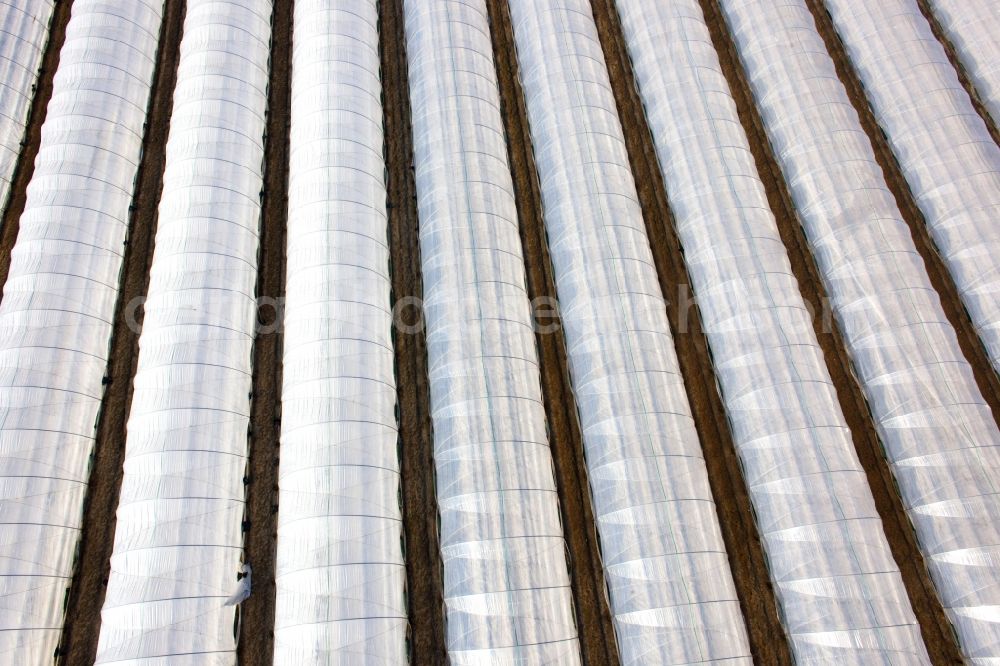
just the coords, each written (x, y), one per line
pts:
(58, 306)
(178, 539)
(939, 434)
(972, 27)
(833, 571)
(671, 590)
(943, 146)
(340, 572)
(506, 584)
(24, 32)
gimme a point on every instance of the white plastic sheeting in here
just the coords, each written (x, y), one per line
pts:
(841, 596)
(671, 590)
(178, 539)
(506, 584)
(24, 31)
(938, 433)
(946, 152)
(972, 27)
(58, 306)
(340, 572)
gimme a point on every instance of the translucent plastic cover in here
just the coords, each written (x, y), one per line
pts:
(178, 540)
(24, 31)
(58, 307)
(340, 573)
(671, 590)
(946, 152)
(938, 433)
(506, 584)
(972, 26)
(841, 597)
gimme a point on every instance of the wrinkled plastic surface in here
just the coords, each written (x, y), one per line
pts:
(178, 539)
(671, 591)
(841, 596)
(946, 152)
(340, 574)
(58, 307)
(939, 435)
(24, 31)
(506, 586)
(972, 26)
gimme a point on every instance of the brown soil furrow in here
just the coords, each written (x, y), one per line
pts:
(747, 560)
(972, 347)
(10, 221)
(424, 581)
(256, 640)
(78, 644)
(590, 598)
(963, 75)
(934, 625)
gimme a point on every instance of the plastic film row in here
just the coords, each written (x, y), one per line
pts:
(840, 593)
(340, 573)
(972, 27)
(178, 540)
(58, 306)
(506, 586)
(945, 151)
(24, 32)
(671, 591)
(938, 433)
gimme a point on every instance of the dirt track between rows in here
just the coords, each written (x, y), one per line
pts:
(933, 623)
(424, 581)
(590, 598)
(78, 644)
(256, 641)
(10, 221)
(746, 553)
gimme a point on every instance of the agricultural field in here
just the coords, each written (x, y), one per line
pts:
(499, 332)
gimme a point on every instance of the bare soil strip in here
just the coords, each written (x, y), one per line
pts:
(10, 221)
(972, 347)
(768, 640)
(425, 585)
(78, 644)
(934, 625)
(963, 75)
(256, 642)
(590, 598)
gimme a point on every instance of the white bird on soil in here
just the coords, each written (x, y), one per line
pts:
(242, 589)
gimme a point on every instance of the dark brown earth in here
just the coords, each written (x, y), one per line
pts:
(78, 644)
(963, 74)
(424, 582)
(25, 169)
(746, 554)
(941, 280)
(256, 639)
(934, 625)
(590, 598)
